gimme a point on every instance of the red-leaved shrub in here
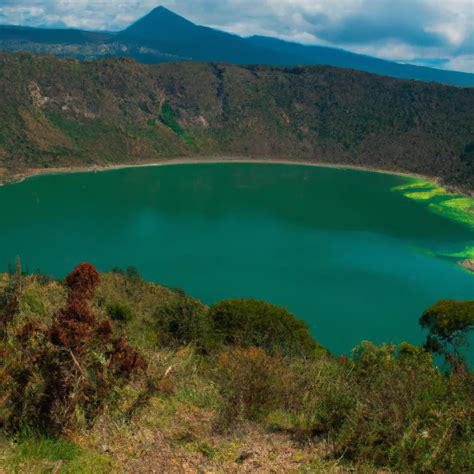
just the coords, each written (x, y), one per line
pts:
(66, 373)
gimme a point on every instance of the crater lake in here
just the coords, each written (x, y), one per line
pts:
(341, 249)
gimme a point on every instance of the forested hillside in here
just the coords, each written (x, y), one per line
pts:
(62, 112)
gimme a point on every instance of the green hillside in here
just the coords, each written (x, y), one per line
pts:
(61, 112)
(107, 372)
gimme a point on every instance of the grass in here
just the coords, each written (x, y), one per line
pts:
(167, 117)
(241, 407)
(41, 455)
(81, 132)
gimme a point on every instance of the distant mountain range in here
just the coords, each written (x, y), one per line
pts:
(163, 36)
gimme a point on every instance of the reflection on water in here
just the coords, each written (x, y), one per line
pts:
(337, 247)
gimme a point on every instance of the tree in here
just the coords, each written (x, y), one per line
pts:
(181, 321)
(449, 323)
(249, 322)
(10, 298)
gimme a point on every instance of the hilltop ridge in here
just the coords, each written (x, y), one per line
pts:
(164, 30)
(163, 35)
(65, 113)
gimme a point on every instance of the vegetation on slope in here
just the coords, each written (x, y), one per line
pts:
(237, 387)
(58, 112)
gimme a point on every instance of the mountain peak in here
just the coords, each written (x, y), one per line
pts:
(162, 11)
(165, 31)
(159, 19)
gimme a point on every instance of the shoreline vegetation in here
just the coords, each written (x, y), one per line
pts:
(439, 200)
(447, 204)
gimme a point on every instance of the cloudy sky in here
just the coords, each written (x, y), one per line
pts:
(438, 33)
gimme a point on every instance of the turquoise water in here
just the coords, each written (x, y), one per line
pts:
(337, 247)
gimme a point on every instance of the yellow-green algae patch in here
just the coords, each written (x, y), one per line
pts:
(413, 184)
(425, 195)
(467, 253)
(421, 190)
(459, 208)
(440, 201)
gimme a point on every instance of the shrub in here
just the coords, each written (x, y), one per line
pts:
(246, 377)
(181, 321)
(22, 384)
(63, 374)
(449, 322)
(43, 278)
(317, 393)
(120, 312)
(133, 273)
(306, 396)
(405, 415)
(167, 117)
(248, 322)
(9, 299)
(386, 406)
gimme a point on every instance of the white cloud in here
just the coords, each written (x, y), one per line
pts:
(461, 63)
(405, 30)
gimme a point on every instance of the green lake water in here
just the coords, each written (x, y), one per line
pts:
(341, 249)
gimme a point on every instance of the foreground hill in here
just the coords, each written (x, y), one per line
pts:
(109, 373)
(61, 113)
(163, 36)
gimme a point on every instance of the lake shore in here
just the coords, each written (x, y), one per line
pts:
(467, 264)
(31, 172)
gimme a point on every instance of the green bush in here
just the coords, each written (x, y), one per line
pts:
(133, 273)
(181, 321)
(120, 312)
(304, 396)
(407, 414)
(249, 322)
(386, 406)
(168, 118)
